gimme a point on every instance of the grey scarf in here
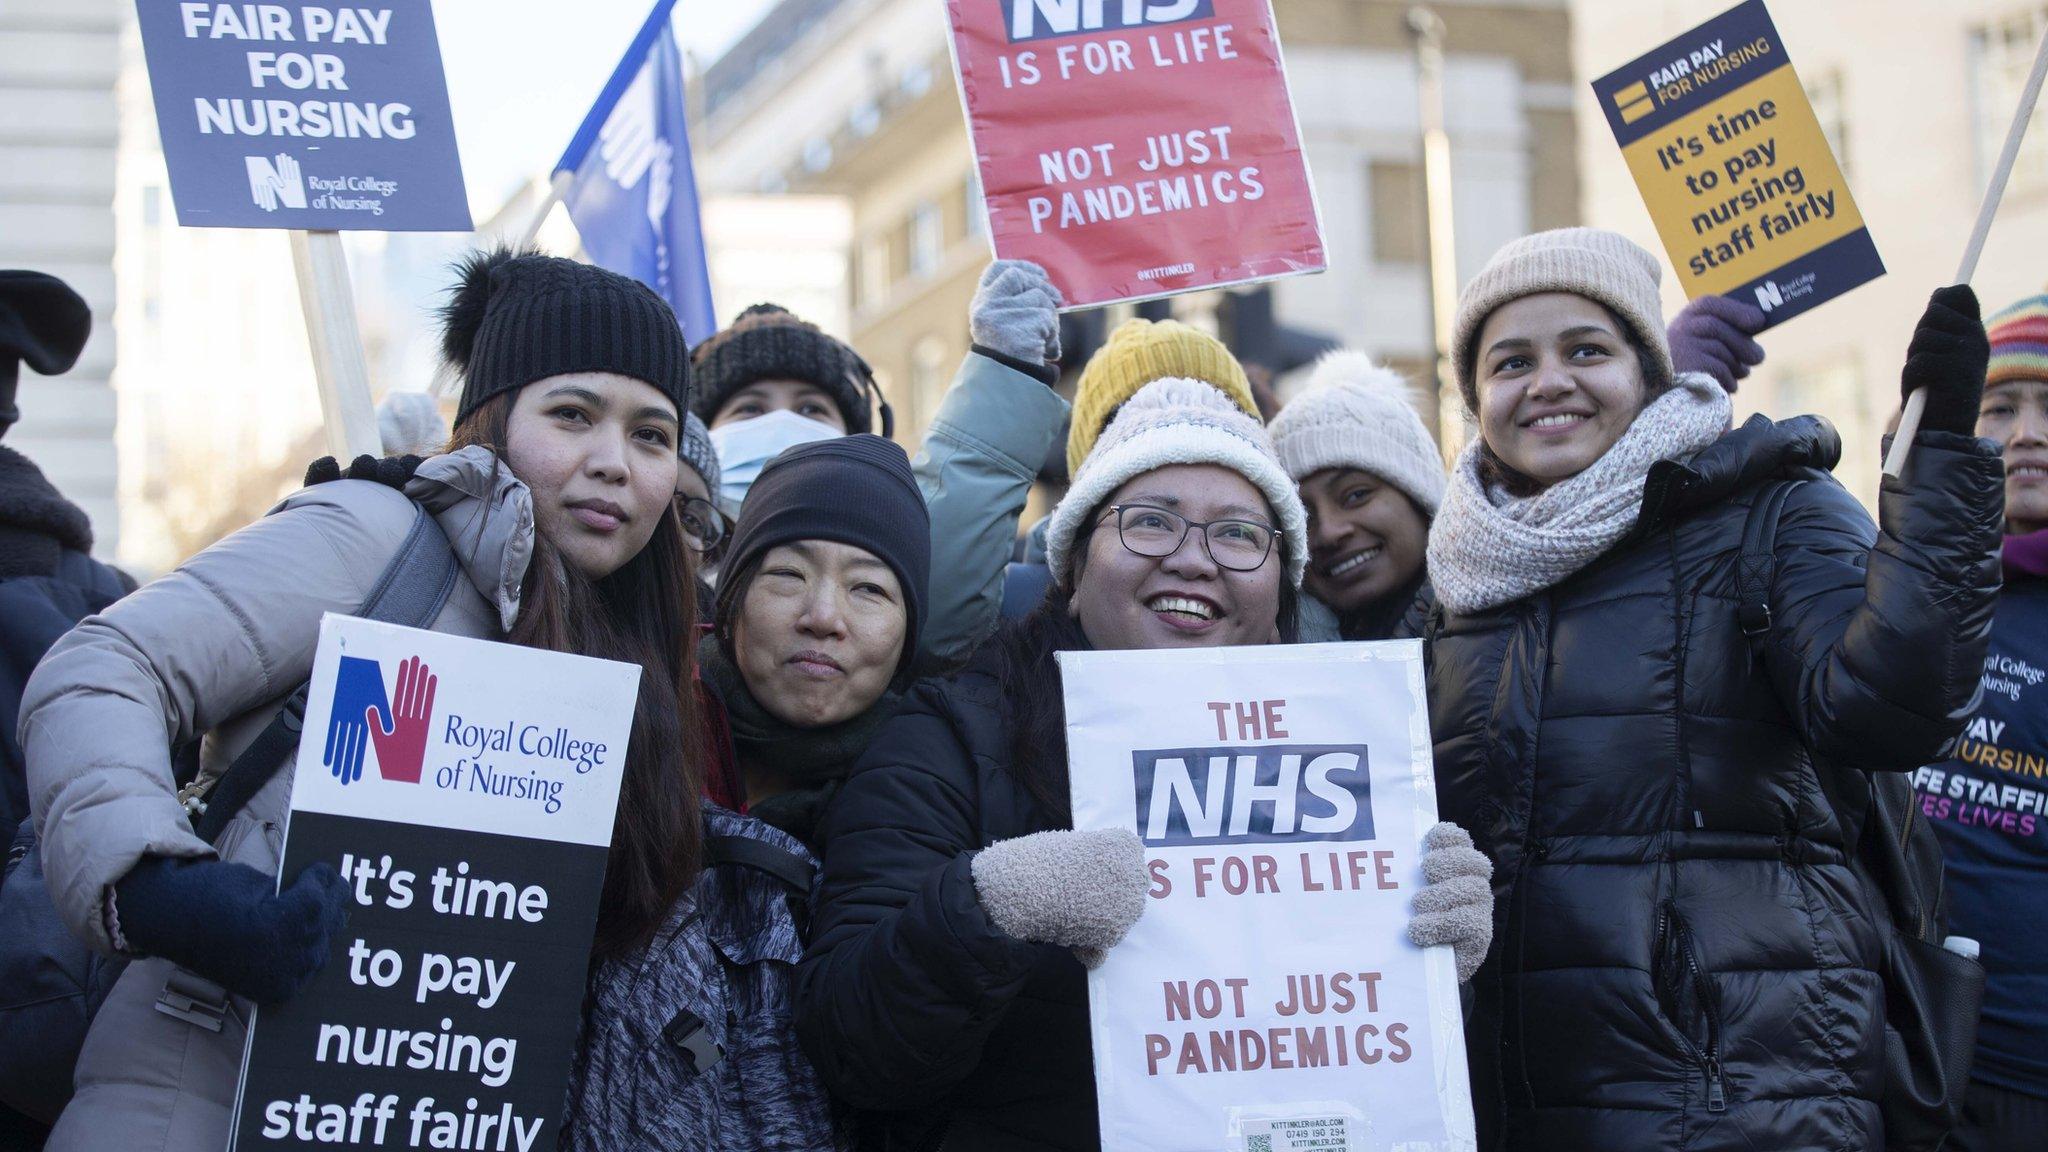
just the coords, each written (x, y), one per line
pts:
(1488, 548)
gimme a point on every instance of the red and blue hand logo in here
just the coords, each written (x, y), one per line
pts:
(362, 715)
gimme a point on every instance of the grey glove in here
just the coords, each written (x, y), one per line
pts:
(1455, 905)
(1016, 312)
(1081, 890)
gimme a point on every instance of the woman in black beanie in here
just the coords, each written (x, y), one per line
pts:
(818, 619)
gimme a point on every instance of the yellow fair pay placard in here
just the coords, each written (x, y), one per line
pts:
(1735, 169)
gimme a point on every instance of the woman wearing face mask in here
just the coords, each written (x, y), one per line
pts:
(817, 620)
(944, 981)
(1683, 958)
(556, 495)
(772, 381)
(1371, 478)
(1995, 848)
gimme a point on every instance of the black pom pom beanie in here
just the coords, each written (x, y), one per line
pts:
(514, 319)
(853, 489)
(767, 342)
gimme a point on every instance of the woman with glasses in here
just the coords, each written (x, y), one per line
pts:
(944, 991)
(696, 487)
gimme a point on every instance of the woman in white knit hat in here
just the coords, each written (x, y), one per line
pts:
(1371, 480)
(1658, 647)
(945, 981)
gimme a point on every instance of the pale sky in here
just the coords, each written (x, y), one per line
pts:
(521, 73)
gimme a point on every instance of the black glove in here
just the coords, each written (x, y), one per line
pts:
(224, 922)
(1949, 356)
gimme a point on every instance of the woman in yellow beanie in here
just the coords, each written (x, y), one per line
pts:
(1137, 353)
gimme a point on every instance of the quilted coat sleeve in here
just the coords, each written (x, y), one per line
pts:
(976, 467)
(905, 975)
(1879, 644)
(231, 629)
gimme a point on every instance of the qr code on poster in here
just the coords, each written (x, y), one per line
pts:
(1258, 1144)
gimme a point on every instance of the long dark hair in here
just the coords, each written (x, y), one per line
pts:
(645, 613)
(1030, 678)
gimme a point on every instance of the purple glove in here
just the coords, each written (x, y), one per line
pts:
(1712, 335)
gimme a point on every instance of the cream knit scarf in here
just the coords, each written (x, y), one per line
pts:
(1487, 548)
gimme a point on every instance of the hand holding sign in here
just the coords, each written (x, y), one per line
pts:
(1082, 890)
(1948, 357)
(228, 923)
(403, 748)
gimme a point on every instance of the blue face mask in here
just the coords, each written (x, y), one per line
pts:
(746, 447)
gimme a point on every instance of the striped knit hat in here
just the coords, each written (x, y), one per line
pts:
(2019, 342)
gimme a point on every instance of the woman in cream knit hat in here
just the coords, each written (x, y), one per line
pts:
(1640, 723)
(957, 907)
(1371, 480)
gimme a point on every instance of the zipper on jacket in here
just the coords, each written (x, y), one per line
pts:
(1709, 1058)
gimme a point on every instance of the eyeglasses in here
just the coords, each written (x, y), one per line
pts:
(703, 527)
(1239, 545)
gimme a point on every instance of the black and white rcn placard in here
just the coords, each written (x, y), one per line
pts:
(465, 790)
(1268, 1000)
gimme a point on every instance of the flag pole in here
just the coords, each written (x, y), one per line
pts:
(1916, 404)
(339, 369)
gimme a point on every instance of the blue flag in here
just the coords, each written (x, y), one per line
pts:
(634, 196)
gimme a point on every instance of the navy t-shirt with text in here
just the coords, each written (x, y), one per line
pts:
(1989, 805)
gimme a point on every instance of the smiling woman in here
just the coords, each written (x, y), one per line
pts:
(1645, 749)
(1371, 479)
(957, 906)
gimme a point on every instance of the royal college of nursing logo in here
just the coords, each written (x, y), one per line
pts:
(364, 716)
(275, 181)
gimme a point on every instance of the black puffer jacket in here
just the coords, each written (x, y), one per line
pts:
(1682, 959)
(910, 1000)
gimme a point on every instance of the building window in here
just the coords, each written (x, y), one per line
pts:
(1831, 108)
(928, 363)
(977, 212)
(927, 239)
(874, 271)
(2002, 53)
(1400, 232)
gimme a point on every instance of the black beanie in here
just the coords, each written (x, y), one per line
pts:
(767, 342)
(514, 319)
(43, 322)
(855, 490)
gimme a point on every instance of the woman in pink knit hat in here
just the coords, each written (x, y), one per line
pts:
(1641, 706)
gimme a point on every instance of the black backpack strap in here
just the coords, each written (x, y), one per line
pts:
(792, 868)
(1758, 563)
(411, 591)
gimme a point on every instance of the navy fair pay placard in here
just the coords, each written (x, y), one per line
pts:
(311, 115)
(1268, 1000)
(1735, 169)
(465, 791)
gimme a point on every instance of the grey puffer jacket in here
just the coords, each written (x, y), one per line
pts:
(215, 647)
(688, 1043)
